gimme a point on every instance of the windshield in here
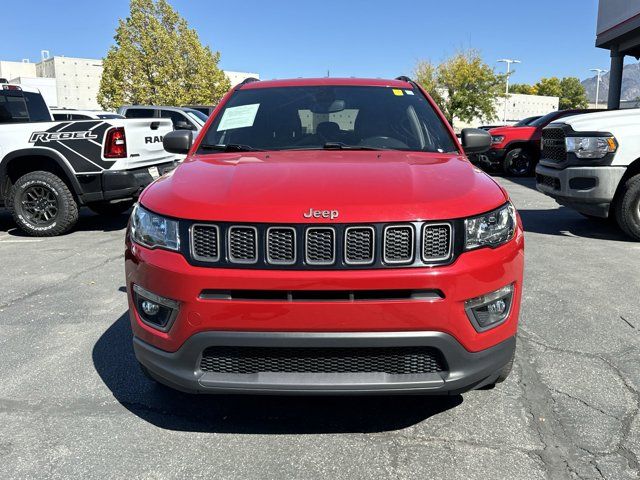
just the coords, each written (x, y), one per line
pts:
(315, 117)
(197, 115)
(109, 115)
(526, 121)
(542, 121)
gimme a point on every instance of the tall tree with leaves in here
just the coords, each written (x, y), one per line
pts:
(159, 60)
(463, 86)
(571, 92)
(523, 88)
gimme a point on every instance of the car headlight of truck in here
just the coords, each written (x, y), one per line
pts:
(496, 139)
(491, 229)
(591, 147)
(151, 230)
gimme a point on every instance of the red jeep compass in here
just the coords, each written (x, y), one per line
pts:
(325, 236)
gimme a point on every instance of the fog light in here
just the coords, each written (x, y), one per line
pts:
(150, 308)
(490, 310)
(154, 310)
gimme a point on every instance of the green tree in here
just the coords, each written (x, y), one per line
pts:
(463, 86)
(521, 88)
(570, 91)
(157, 59)
(573, 94)
(550, 87)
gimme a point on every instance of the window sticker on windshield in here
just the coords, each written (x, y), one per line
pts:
(397, 91)
(408, 92)
(238, 117)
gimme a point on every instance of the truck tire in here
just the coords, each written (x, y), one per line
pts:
(111, 209)
(628, 208)
(42, 205)
(518, 162)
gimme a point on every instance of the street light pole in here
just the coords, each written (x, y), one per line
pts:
(508, 61)
(599, 72)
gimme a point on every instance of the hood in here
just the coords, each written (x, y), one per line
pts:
(363, 186)
(514, 132)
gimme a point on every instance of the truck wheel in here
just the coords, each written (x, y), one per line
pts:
(628, 208)
(518, 162)
(111, 209)
(42, 205)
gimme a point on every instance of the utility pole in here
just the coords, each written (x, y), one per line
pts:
(599, 72)
(508, 61)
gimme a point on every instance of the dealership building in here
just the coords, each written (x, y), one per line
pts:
(618, 31)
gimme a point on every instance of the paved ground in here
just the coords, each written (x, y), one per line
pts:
(74, 405)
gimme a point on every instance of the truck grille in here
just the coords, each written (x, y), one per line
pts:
(330, 247)
(436, 243)
(398, 244)
(389, 360)
(553, 145)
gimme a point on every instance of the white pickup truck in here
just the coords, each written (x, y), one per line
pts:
(591, 163)
(49, 169)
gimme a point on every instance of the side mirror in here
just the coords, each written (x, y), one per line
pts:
(178, 141)
(183, 125)
(475, 140)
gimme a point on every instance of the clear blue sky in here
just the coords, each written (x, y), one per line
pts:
(280, 39)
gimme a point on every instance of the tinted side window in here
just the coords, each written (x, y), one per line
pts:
(76, 116)
(13, 108)
(38, 111)
(139, 113)
(60, 116)
(174, 116)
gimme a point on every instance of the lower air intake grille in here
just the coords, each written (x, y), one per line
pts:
(436, 242)
(390, 360)
(243, 243)
(398, 244)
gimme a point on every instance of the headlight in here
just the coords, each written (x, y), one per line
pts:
(151, 230)
(496, 139)
(491, 229)
(591, 147)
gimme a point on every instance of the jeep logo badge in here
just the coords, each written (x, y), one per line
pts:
(330, 214)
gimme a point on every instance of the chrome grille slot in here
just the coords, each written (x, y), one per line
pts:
(243, 244)
(281, 245)
(320, 246)
(359, 245)
(436, 242)
(205, 243)
(398, 244)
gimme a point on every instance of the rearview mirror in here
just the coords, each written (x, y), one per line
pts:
(178, 141)
(475, 140)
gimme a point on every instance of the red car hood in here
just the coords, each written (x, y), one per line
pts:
(364, 186)
(514, 133)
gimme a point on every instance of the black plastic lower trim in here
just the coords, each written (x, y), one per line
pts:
(466, 370)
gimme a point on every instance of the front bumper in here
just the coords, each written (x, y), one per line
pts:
(589, 190)
(465, 370)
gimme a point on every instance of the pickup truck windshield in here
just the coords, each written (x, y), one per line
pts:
(335, 117)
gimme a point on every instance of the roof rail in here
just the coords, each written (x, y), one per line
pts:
(247, 80)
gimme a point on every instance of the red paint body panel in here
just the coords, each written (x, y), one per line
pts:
(474, 273)
(277, 187)
(516, 134)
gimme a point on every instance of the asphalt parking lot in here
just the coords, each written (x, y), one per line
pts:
(73, 403)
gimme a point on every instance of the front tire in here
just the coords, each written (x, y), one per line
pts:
(42, 204)
(518, 162)
(111, 209)
(628, 208)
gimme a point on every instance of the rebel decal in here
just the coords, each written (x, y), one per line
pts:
(53, 136)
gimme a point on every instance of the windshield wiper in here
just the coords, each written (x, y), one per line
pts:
(230, 147)
(344, 146)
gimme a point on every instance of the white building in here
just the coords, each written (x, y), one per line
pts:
(513, 108)
(47, 87)
(236, 77)
(77, 80)
(9, 70)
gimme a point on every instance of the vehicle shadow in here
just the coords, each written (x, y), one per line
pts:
(87, 222)
(115, 362)
(566, 222)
